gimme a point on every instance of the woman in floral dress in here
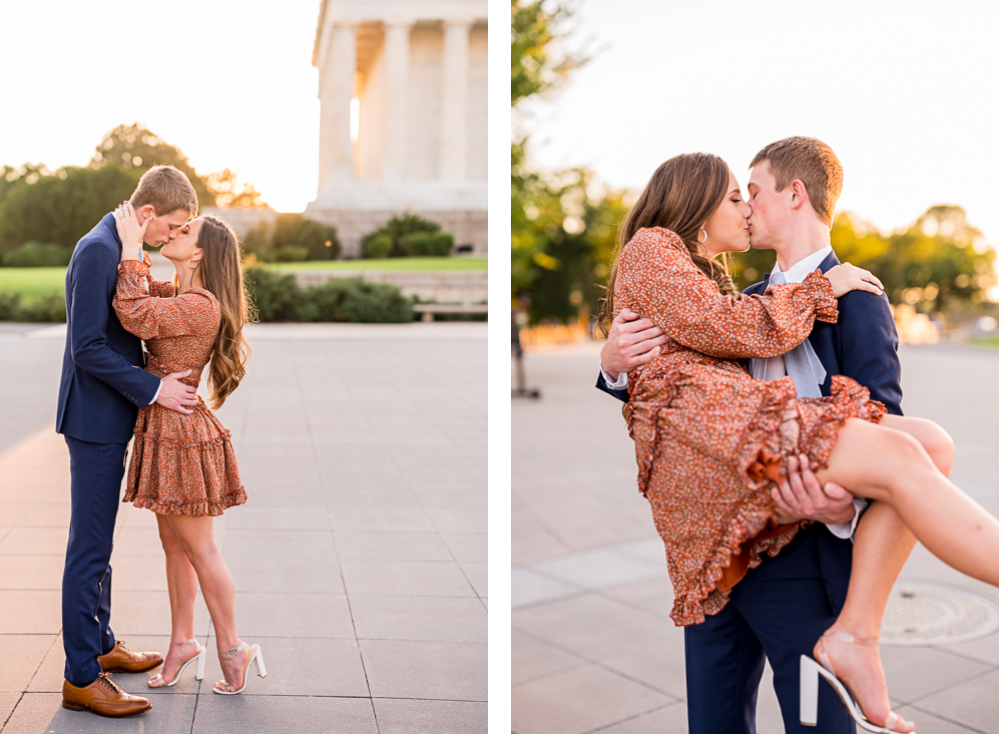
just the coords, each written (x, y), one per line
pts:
(183, 466)
(711, 441)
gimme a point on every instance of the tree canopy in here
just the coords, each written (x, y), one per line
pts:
(134, 147)
(563, 223)
(61, 206)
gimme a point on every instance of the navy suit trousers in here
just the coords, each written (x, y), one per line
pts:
(96, 471)
(770, 615)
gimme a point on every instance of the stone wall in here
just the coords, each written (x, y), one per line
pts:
(443, 286)
(242, 220)
(469, 227)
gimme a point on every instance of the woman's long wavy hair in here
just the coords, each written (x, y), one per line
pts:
(222, 275)
(682, 193)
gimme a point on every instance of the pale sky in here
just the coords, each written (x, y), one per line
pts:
(229, 82)
(906, 93)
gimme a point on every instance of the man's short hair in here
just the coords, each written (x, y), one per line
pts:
(811, 161)
(167, 189)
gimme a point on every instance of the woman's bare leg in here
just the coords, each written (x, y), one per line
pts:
(182, 588)
(197, 534)
(882, 544)
(887, 463)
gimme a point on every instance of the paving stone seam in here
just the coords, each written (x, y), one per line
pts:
(605, 727)
(197, 700)
(963, 655)
(596, 663)
(7, 720)
(55, 639)
(347, 600)
(954, 684)
(965, 727)
(579, 664)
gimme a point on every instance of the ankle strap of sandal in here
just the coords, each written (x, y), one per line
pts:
(851, 639)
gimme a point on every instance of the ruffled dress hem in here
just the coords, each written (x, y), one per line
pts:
(777, 429)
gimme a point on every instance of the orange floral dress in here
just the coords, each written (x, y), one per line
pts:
(704, 429)
(181, 464)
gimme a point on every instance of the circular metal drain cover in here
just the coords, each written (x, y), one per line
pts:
(932, 614)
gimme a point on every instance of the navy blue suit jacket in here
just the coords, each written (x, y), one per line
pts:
(103, 382)
(862, 345)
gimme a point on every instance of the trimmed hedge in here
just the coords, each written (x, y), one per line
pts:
(291, 238)
(37, 255)
(46, 308)
(279, 298)
(409, 235)
(427, 244)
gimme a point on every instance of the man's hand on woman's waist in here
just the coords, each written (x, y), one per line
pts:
(632, 342)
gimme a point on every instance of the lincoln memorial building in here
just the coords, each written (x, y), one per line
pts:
(402, 88)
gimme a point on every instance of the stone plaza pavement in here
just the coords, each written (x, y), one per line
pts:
(593, 648)
(359, 559)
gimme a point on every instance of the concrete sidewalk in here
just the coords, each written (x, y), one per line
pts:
(359, 560)
(593, 647)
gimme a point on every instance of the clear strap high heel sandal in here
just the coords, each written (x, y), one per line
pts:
(157, 680)
(810, 672)
(255, 656)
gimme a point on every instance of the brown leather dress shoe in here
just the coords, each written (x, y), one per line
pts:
(102, 697)
(123, 660)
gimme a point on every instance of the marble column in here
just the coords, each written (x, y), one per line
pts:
(397, 83)
(336, 151)
(454, 107)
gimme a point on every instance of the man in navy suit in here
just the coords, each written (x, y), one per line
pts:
(102, 387)
(781, 608)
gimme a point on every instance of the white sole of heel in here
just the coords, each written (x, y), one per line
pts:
(261, 671)
(199, 669)
(809, 674)
(808, 692)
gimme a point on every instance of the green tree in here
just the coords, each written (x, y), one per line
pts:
(393, 232)
(538, 63)
(133, 147)
(940, 263)
(555, 251)
(229, 191)
(61, 207)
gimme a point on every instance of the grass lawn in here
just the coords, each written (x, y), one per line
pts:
(31, 282)
(989, 341)
(389, 263)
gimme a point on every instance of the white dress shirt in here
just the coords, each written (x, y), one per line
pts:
(773, 368)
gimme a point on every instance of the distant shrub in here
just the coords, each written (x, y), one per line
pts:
(37, 255)
(268, 242)
(279, 298)
(377, 247)
(276, 296)
(396, 229)
(9, 304)
(295, 229)
(427, 244)
(291, 254)
(358, 301)
(378, 303)
(46, 308)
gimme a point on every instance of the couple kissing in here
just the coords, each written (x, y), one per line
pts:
(182, 467)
